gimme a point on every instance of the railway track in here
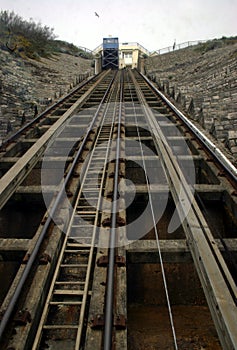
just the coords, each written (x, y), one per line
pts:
(71, 287)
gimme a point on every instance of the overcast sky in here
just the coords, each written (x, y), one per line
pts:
(155, 24)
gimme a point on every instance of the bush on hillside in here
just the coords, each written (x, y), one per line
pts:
(30, 39)
(64, 47)
(215, 44)
(21, 36)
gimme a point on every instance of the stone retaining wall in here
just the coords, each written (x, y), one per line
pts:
(204, 84)
(29, 86)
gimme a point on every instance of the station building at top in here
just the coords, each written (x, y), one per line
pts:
(117, 55)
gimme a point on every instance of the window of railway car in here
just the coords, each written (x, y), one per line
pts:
(128, 55)
(110, 41)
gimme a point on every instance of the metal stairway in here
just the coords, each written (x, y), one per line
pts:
(70, 288)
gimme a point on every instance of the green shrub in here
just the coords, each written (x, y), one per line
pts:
(33, 40)
(21, 36)
(215, 44)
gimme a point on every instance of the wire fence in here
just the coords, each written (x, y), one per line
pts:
(85, 49)
(176, 47)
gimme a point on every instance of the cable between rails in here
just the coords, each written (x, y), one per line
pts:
(153, 218)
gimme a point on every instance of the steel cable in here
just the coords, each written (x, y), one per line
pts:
(156, 234)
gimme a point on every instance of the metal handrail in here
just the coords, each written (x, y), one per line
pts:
(177, 47)
(85, 49)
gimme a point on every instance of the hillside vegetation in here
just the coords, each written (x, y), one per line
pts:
(33, 40)
(35, 70)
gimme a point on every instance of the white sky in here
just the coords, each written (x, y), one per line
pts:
(155, 24)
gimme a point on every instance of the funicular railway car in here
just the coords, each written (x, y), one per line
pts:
(110, 56)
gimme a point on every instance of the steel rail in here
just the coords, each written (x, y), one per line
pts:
(108, 329)
(208, 260)
(212, 148)
(83, 178)
(16, 134)
(154, 225)
(217, 282)
(100, 197)
(17, 173)
(20, 286)
(219, 259)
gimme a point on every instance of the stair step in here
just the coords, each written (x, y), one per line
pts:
(77, 245)
(74, 265)
(65, 303)
(72, 251)
(60, 326)
(68, 292)
(70, 283)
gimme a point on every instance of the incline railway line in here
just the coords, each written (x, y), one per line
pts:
(110, 178)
